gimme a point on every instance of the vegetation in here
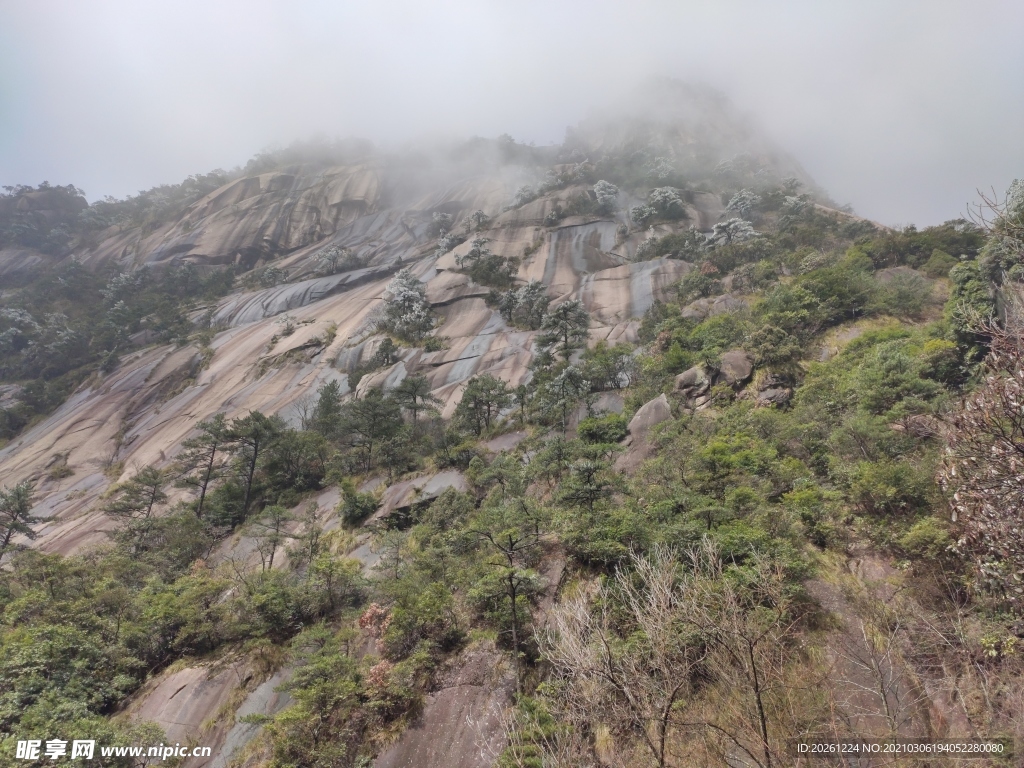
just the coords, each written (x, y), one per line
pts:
(70, 322)
(695, 610)
(406, 312)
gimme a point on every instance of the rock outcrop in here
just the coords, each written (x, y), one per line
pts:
(735, 368)
(648, 416)
(694, 384)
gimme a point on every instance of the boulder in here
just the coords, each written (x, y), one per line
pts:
(693, 382)
(654, 412)
(650, 414)
(697, 310)
(702, 402)
(771, 381)
(701, 309)
(726, 304)
(736, 368)
(774, 396)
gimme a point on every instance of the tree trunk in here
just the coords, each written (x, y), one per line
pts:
(205, 484)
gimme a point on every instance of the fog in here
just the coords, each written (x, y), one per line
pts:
(900, 109)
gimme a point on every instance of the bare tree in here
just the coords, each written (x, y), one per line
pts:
(876, 683)
(983, 469)
(625, 688)
(668, 656)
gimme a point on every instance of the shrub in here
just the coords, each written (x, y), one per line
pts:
(890, 487)
(939, 264)
(610, 428)
(487, 268)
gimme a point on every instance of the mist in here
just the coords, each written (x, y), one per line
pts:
(900, 110)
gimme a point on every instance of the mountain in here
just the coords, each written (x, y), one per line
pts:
(330, 457)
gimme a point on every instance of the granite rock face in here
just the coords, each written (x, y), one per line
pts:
(648, 416)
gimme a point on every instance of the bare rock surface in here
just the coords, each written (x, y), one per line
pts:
(650, 414)
(226, 741)
(506, 442)
(627, 291)
(774, 396)
(460, 726)
(735, 367)
(181, 702)
(404, 494)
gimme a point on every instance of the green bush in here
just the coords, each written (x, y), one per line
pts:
(610, 428)
(939, 264)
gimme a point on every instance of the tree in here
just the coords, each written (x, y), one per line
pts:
(334, 259)
(355, 505)
(732, 231)
(414, 396)
(744, 621)
(270, 532)
(1003, 253)
(641, 214)
(326, 415)
(610, 367)
(633, 688)
(607, 194)
(482, 401)
(442, 222)
(476, 221)
(525, 307)
(667, 203)
(487, 268)
(16, 514)
(588, 483)
(406, 311)
(369, 421)
(557, 397)
(743, 203)
(296, 460)
(565, 329)
(513, 531)
(626, 659)
(136, 502)
(204, 458)
(253, 434)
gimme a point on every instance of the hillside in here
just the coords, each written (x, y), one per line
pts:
(630, 451)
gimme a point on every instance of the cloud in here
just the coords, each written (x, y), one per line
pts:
(901, 109)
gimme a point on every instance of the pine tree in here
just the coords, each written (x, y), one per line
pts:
(565, 329)
(135, 502)
(204, 458)
(15, 514)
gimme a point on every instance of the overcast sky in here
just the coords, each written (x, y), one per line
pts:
(900, 108)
